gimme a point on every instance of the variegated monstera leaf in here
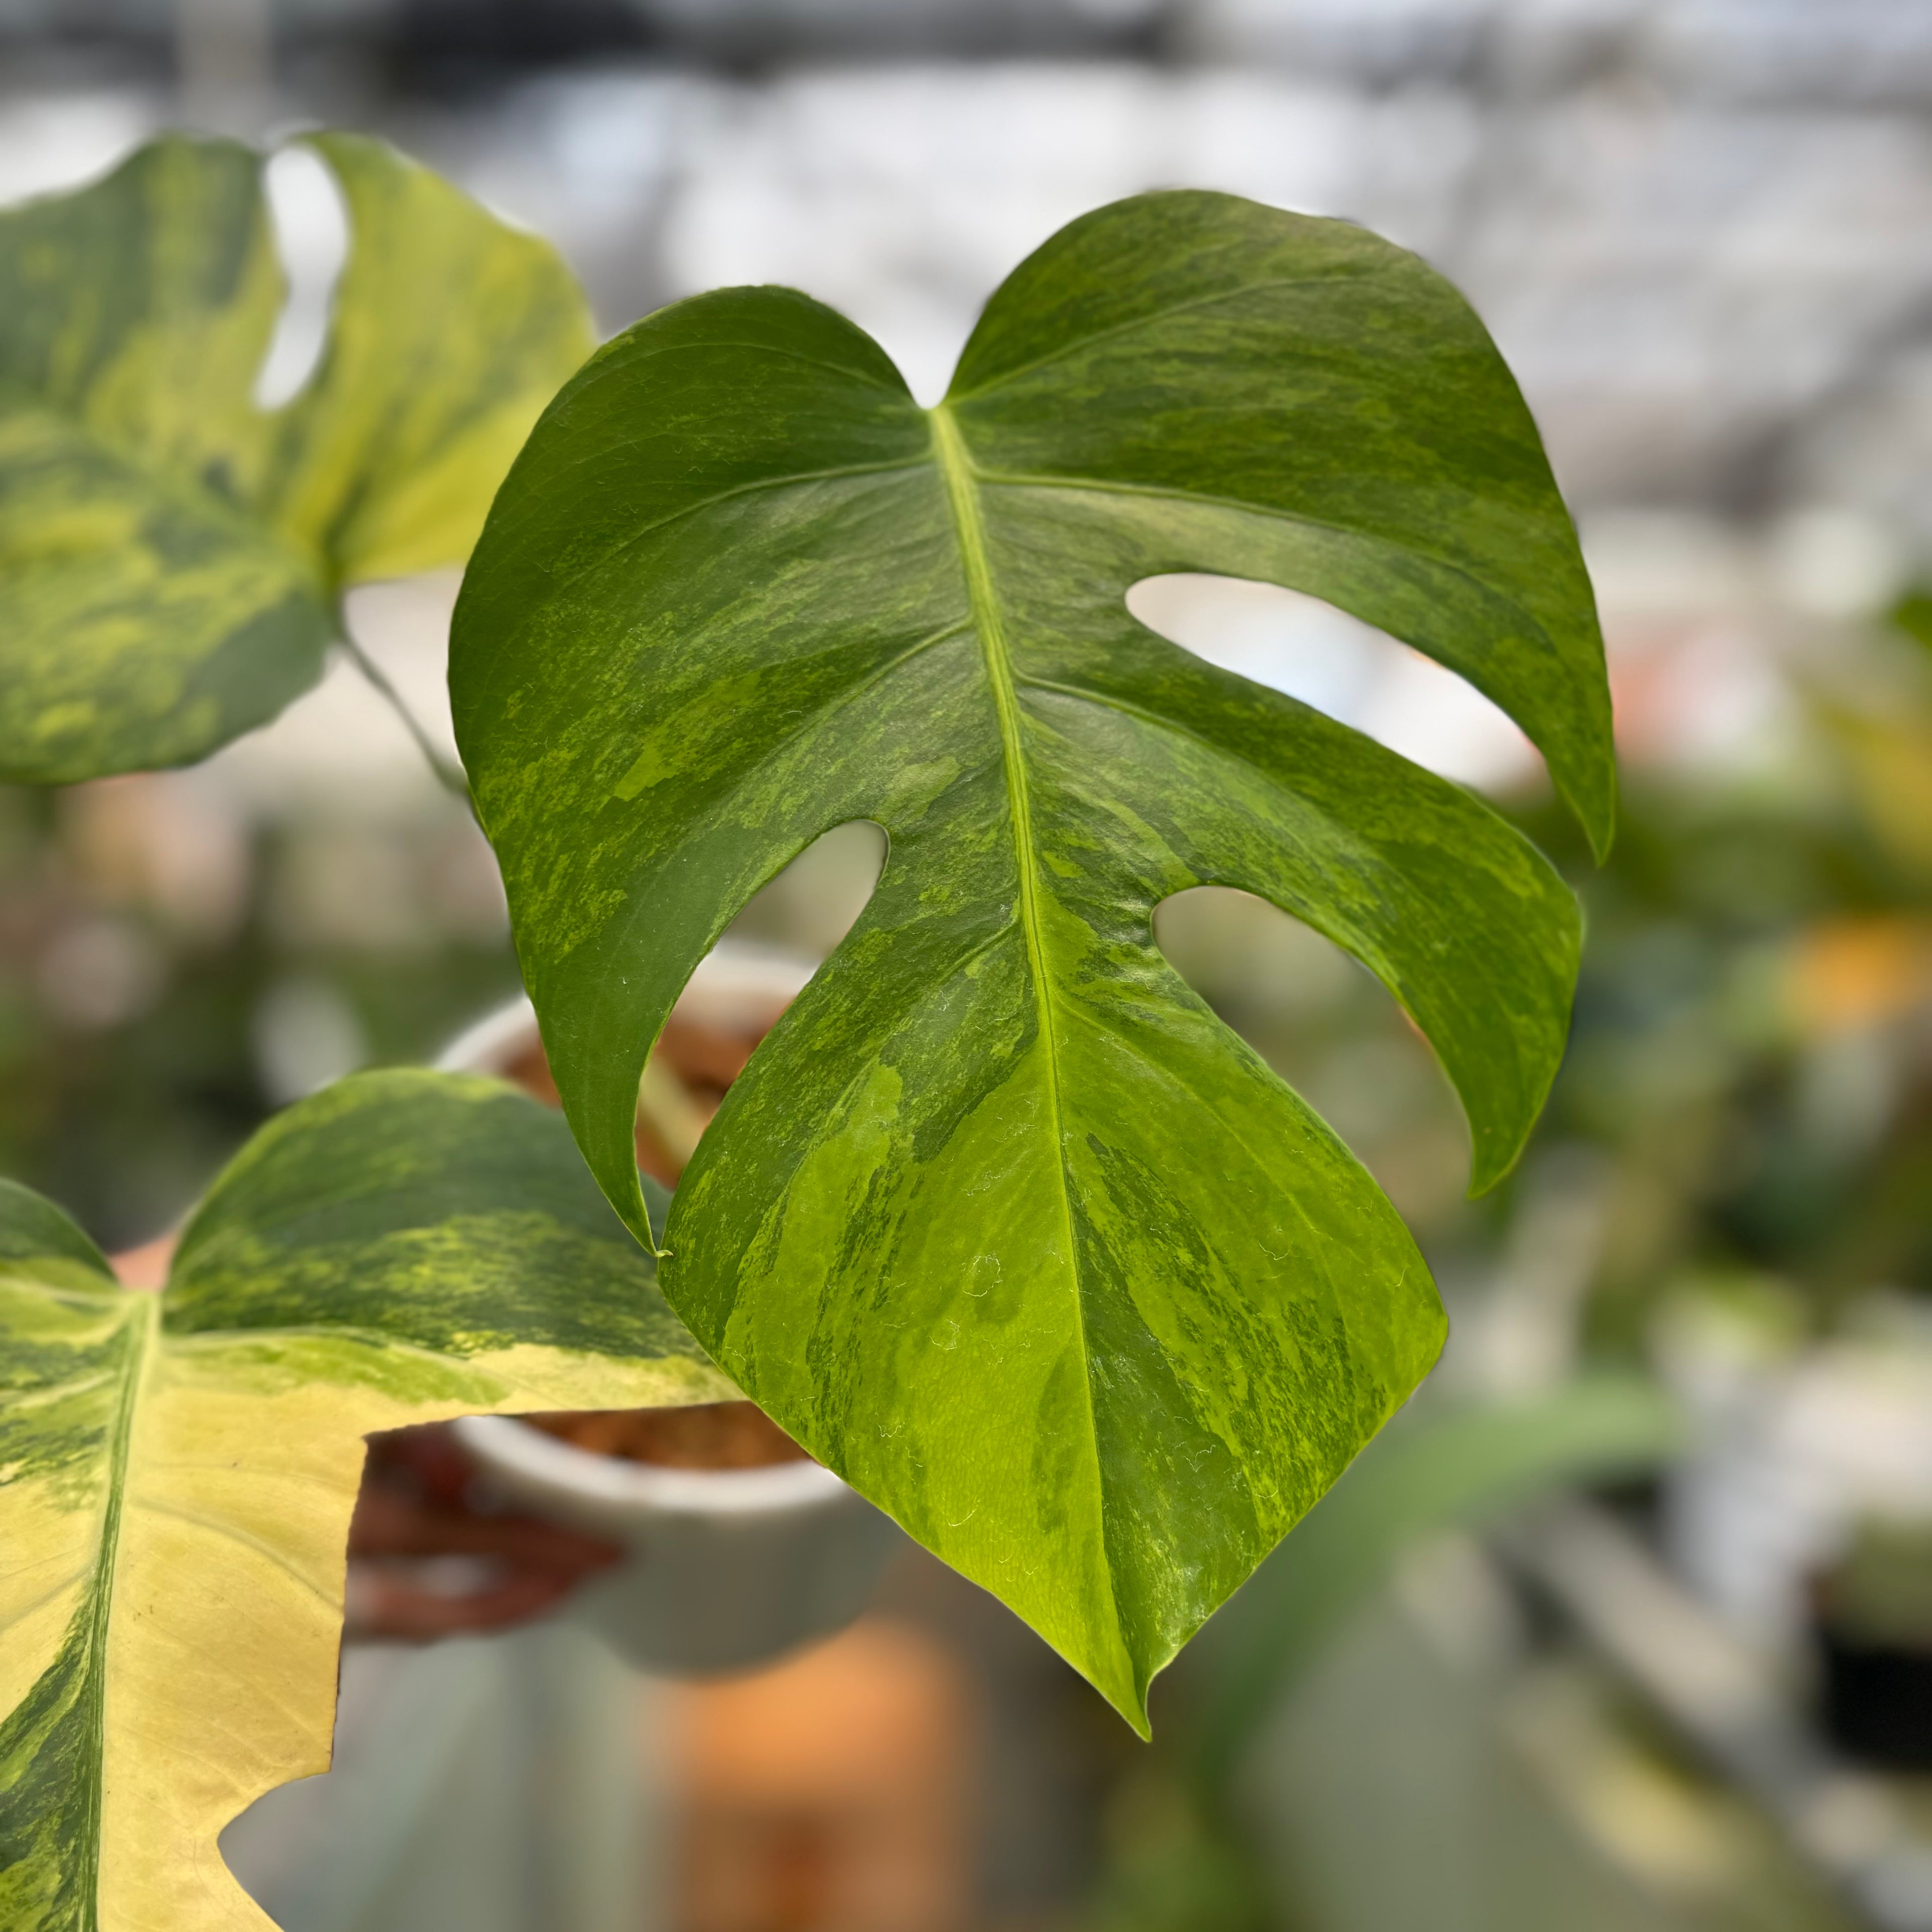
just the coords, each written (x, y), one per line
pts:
(1002, 1223)
(172, 556)
(177, 1471)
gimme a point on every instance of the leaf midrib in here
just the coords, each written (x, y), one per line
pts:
(955, 465)
(145, 1319)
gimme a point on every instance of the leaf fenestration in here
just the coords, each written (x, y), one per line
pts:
(171, 556)
(1002, 1223)
(179, 1469)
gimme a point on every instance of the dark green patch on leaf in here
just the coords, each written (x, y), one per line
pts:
(419, 1208)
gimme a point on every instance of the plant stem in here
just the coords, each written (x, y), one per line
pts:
(448, 776)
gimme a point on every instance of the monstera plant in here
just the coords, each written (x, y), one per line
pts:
(1001, 1223)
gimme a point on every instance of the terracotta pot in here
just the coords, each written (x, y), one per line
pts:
(728, 1567)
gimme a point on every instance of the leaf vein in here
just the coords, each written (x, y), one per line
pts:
(22, 1612)
(1023, 480)
(765, 349)
(755, 488)
(243, 1539)
(146, 1324)
(1131, 326)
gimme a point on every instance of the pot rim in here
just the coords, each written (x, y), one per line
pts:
(509, 1446)
(725, 978)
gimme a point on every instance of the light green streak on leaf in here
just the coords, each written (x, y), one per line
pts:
(1000, 1222)
(170, 555)
(177, 1472)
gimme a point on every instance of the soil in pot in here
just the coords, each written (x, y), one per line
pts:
(693, 1063)
(710, 1436)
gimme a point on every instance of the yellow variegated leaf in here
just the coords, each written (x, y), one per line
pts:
(171, 556)
(177, 1472)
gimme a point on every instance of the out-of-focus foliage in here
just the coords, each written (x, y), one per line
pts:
(1880, 1592)
(1175, 1855)
(1913, 614)
(1439, 1469)
(1753, 1039)
(171, 971)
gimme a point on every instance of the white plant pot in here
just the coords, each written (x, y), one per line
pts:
(724, 1569)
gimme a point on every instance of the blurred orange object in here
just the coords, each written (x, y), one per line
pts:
(146, 1266)
(1848, 974)
(828, 1795)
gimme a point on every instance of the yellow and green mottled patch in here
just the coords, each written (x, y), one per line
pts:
(1001, 1222)
(170, 555)
(177, 1472)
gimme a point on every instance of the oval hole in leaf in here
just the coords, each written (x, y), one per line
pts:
(810, 906)
(795, 919)
(311, 219)
(1339, 665)
(1330, 1029)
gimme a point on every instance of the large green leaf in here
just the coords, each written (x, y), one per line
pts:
(171, 556)
(179, 1469)
(1001, 1222)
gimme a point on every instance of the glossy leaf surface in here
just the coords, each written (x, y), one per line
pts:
(1001, 1222)
(180, 1468)
(171, 556)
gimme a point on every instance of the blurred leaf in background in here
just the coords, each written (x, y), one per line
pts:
(180, 952)
(1752, 1037)
(175, 551)
(1180, 1857)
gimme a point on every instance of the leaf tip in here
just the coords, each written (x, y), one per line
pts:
(1132, 1707)
(1129, 1694)
(1589, 785)
(1599, 825)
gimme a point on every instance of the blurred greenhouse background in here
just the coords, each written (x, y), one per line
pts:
(1629, 1623)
